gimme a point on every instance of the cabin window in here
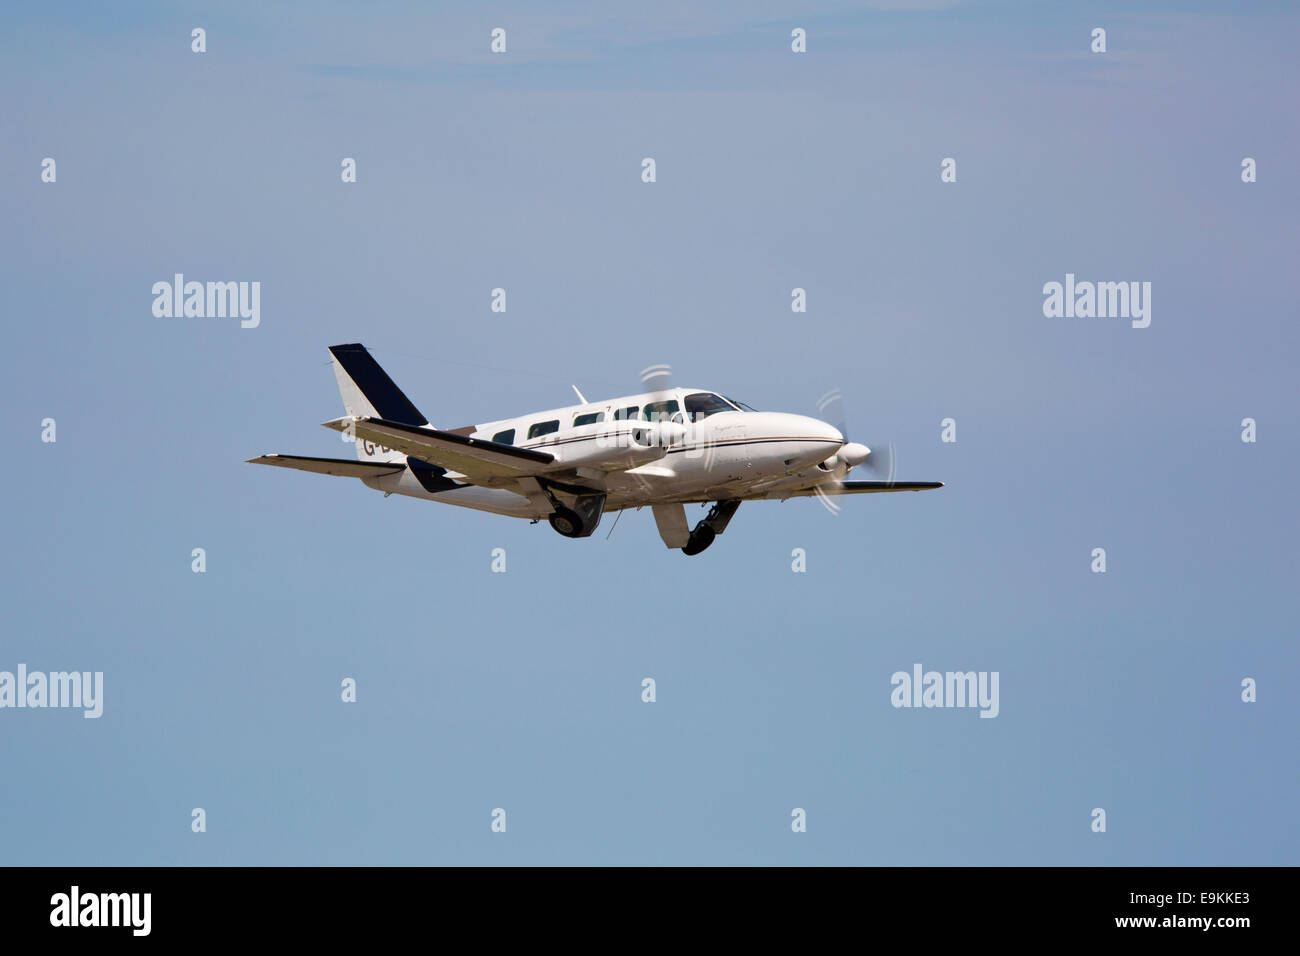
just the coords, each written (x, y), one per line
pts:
(661, 411)
(589, 419)
(701, 405)
(626, 414)
(506, 437)
(543, 428)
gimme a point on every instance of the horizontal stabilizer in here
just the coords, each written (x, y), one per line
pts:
(341, 467)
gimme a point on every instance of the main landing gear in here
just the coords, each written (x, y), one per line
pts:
(567, 521)
(580, 520)
(712, 526)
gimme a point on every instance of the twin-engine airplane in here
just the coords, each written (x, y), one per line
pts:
(664, 448)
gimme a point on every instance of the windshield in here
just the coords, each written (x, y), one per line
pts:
(701, 405)
(742, 406)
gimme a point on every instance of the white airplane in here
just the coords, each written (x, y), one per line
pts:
(665, 448)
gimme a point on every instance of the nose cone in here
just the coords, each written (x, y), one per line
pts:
(811, 430)
(817, 440)
(786, 443)
(819, 429)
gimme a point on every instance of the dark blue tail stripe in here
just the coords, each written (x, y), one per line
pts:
(375, 384)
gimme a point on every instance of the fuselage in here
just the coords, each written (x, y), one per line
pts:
(683, 445)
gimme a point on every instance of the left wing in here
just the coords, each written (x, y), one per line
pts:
(483, 462)
(343, 468)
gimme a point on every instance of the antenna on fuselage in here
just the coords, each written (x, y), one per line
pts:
(582, 398)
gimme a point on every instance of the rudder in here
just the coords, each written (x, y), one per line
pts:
(368, 392)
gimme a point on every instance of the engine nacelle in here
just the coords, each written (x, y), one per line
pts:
(849, 455)
(853, 453)
(833, 466)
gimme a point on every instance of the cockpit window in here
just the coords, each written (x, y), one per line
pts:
(701, 405)
(660, 411)
(742, 406)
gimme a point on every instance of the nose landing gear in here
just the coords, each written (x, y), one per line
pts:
(712, 526)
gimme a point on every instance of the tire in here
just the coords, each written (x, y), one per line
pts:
(566, 522)
(701, 538)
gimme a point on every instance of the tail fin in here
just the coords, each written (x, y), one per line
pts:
(368, 392)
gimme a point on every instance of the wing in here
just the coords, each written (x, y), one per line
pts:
(483, 462)
(846, 488)
(343, 468)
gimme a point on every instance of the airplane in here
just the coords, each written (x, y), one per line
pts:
(664, 448)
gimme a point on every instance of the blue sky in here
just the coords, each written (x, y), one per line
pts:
(774, 170)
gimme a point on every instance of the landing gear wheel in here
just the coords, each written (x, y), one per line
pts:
(566, 522)
(700, 539)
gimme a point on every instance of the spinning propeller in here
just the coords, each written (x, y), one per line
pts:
(878, 458)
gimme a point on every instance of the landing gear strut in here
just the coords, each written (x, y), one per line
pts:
(712, 526)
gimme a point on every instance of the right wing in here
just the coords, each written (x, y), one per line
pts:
(482, 462)
(845, 488)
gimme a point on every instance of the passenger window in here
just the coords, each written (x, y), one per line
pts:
(589, 419)
(626, 414)
(506, 437)
(544, 428)
(661, 411)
